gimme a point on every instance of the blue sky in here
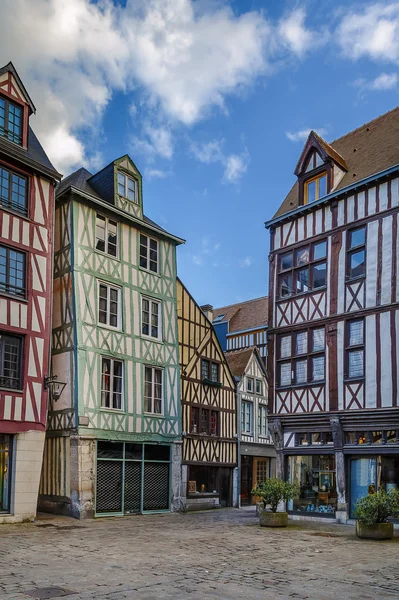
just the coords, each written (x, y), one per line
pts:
(211, 99)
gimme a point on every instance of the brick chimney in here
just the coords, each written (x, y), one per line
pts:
(207, 309)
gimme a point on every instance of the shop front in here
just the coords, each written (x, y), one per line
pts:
(315, 476)
(209, 487)
(254, 470)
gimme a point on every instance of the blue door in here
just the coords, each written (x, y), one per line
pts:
(363, 478)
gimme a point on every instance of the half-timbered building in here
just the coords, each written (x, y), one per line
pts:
(334, 320)
(208, 397)
(257, 453)
(27, 181)
(114, 439)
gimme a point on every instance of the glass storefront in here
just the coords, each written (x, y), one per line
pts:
(370, 474)
(5, 472)
(315, 476)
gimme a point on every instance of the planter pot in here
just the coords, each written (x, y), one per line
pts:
(271, 519)
(378, 531)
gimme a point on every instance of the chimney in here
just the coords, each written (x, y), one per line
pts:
(207, 309)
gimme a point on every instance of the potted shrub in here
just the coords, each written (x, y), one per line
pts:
(371, 514)
(272, 492)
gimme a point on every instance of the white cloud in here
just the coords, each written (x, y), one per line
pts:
(302, 134)
(384, 81)
(371, 32)
(246, 262)
(183, 57)
(156, 174)
(235, 165)
(296, 36)
(197, 260)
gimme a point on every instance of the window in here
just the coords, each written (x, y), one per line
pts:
(355, 349)
(111, 383)
(148, 253)
(259, 387)
(10, 361)
(126, 187)
(262, 420)
(302, 270)
(13, 191)
(106, 235)
(218, 319)
(109, 305)
(250, 384)
(151, 318)
(320, 438)
(209, 371)
(204, 421)
(153, 390)
(10, 121)
(246, 416)
(314, 162)
(301, 357)
(315, 188)
(356, 253)
(12, 272)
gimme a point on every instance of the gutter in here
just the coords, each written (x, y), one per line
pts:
(122, 213)
(326, 199)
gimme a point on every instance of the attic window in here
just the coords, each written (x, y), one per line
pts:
(218, 318)
(314, 162)
(10, 121)
(126, 187)
(315, 188)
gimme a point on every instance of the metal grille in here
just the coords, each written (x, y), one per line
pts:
(132, 486)
(156, 486)
(109, 486)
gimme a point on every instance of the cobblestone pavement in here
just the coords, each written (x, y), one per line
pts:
(214, 555)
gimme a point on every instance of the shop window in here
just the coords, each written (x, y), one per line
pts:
(301, 357)
(319, 438)
(302, 270)
(355, 349)
(315, 476)
(371, 437)
(356, 255)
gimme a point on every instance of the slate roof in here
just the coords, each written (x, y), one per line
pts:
(9, 68)
(244, 315)
(371, 148)
(79, 179)
(34, 155)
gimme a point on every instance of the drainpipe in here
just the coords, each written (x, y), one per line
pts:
(239, 448)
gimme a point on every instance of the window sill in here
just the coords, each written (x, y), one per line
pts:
(16, 213)
(353, 279)
(117, 258)
(354, 379)
(14, 297)
(128, 199)
(301, 385)
(110, 327)
(210, 382)
(301, 294)
(114, 410)
(157, 415)
(18, 391)
(155, 273)
(152, 339)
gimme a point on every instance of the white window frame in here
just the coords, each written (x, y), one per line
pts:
(149, 239)
(246, 405)
(105, 251)
(262, 420)
(109, 287)
(125, 185)
(152, 390)
(250, 388)
(111, 382)
(260, 382)
(152, 301)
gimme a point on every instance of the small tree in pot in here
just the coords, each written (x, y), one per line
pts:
(272, 492)
(371, 514)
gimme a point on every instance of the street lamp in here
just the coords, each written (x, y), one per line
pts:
(54, 386)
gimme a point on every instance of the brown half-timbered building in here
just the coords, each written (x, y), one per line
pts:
(208, 396)
(333, 336)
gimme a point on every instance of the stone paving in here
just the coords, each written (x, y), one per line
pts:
(222, 554)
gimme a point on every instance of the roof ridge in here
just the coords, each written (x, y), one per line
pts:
(243, 302)
(364, 125)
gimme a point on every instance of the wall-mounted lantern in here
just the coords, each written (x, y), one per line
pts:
(54, 386)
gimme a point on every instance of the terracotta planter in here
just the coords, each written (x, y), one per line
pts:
(271, 519)
(378, 531)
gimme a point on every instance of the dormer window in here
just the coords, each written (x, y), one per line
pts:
(315, 161)
(10, 121)
(127, 187)
(315, 188)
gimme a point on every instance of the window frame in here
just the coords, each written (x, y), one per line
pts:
(354, 348)
(315, 178)
(111, 381)
(106, 240)
(110, 286)
(260, 382)
(350, 250)
(262, 414)
(210, 364)
(7, 292)
(153, 399)
(148, 254)
(250, 388)
(125, 185)
(247, 404)
(294, 269)
(198, 412)
(20, 138)
(9, 205)
(152, 301)
(20, 361)
(294, 358)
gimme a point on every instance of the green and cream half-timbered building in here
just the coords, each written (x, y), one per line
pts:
(114, 437)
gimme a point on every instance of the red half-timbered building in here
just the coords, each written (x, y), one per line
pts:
(333, 336)
(27, 180)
